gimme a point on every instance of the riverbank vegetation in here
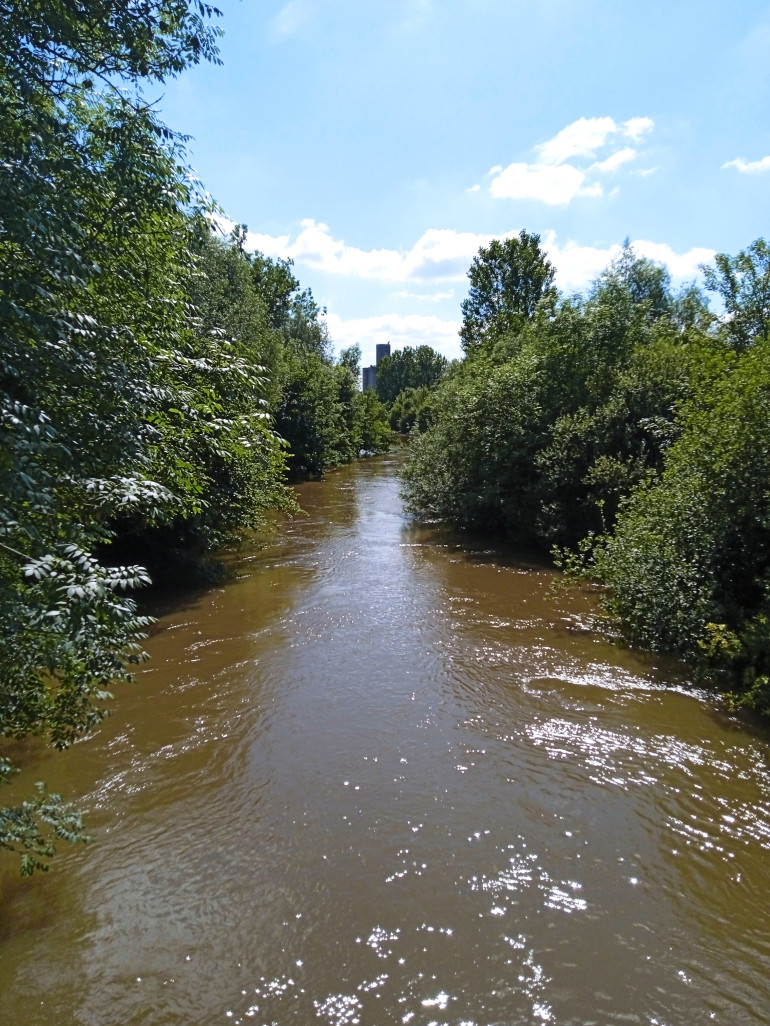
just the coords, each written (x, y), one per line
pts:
(406, 381)
(158, 385)
(626, 429)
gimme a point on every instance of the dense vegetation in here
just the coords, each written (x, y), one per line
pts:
(157, 383)
(406, 381)
(628, 428)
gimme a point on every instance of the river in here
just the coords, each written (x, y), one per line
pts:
(382, 776)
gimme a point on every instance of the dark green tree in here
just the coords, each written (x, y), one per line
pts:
(508, 279)
(351, 358)
(743, 283)
(688, 565)
(422, 367)
(372, 423)
(543, 432)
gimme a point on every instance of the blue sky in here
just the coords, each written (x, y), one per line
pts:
(379, 144)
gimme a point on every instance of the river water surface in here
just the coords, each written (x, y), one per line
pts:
(382, 778)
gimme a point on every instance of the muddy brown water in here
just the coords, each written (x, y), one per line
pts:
(381, 778)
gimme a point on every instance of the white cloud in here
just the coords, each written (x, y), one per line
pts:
(554, 185)
(580, 139)
(444, 255)
(270, 245)
(616, 159)
(474, 188)
(556, 181)
(645, 172)
(577, 266)
(438, 255)
(749, 167)
(683, 266)
(635, 128)
(290, 19)
(400, 330)
(427, 297)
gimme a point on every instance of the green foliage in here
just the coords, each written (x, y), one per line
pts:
(543, 425)
(743, 283)
(475, 465)
(324, 418)
(121, 405)
(632, 426)
(509, 278)
(351, 358)
(143, 363)
(688, 566)
(422, 367)
(372, 429)
(412, 410)
(32, 828)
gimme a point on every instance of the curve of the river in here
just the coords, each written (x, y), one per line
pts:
(382, 777)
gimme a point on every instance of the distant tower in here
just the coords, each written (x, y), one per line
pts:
(383, 349)
(370, 378)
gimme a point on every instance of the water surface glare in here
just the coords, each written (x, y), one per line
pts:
(382, 778)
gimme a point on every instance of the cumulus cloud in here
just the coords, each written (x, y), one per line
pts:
(683, 266)
(635, 128)
(444, 256)
(440, 254)
(749, 167)
(561, 172)
(580, 139)
(615, 160)
(554, 185)
(578, 266)
(400, 330)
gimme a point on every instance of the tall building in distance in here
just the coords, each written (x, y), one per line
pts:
(370, 373)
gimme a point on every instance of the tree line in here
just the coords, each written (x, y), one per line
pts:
(626, 431)
(158, 384)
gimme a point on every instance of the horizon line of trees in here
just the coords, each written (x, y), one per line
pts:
(626, 431)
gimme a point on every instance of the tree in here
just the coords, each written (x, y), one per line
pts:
(51, 45)
(276, 284)
(508, 279)
(743, 282)
(372, 423)
(688, 566)
(542, 433)
(351, 358)
(422, 367)
(412, 408)
(100, 362)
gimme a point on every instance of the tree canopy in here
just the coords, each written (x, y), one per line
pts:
(628, 428)
(508, 278)
(422, 367)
